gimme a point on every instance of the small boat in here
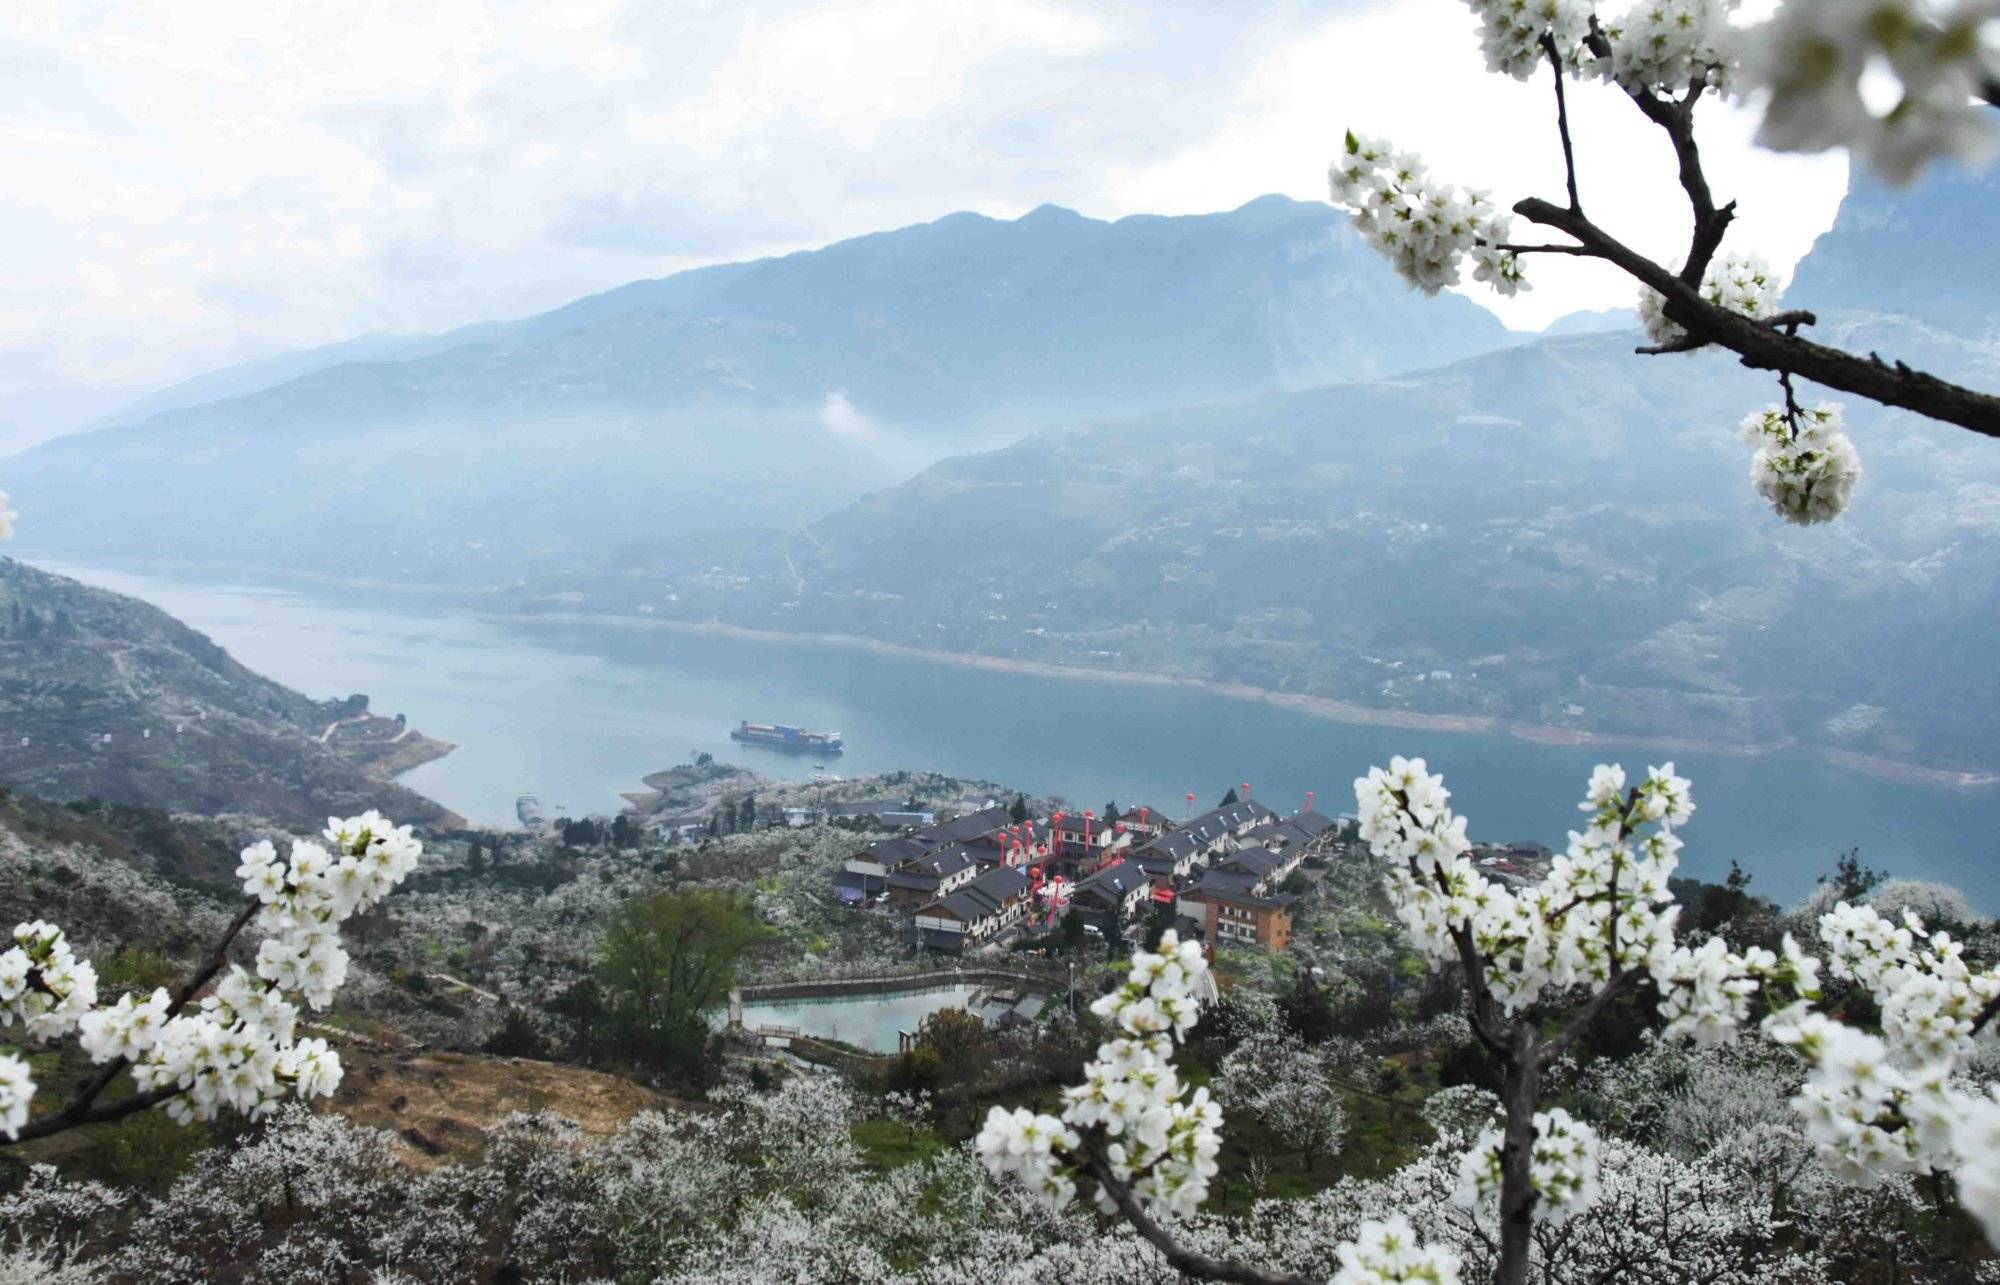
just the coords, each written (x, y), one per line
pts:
(783, 736)
(529, 809)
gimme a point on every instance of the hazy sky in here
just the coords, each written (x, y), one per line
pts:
(194, 183)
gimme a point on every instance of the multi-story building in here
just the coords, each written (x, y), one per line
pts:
(975, 914)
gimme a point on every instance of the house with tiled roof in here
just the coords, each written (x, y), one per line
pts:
(1112, 897)
(932, 875)
(974, 914)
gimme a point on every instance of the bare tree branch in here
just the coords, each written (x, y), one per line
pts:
(1577, 250)
(1675, 117)
(1562, 119)
(1762, 347)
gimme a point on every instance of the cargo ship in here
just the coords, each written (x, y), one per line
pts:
(780, 736)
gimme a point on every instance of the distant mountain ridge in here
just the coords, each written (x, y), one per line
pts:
(103, 696)
(1558, 533)
(750, 394)
(1931, 251)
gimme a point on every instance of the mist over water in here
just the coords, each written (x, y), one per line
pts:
(577, 713)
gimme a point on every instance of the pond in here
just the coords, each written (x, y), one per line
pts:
(873, 1021)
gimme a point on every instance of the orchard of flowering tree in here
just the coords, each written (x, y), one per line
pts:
(1592, 1076)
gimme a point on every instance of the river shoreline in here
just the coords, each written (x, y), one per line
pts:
(1322, 707)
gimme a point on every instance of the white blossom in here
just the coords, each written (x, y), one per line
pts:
(238, 1047)
(1389, 1251)
(1425, 228)
(43, 985)
(1742, 283)
(1892, 1101)
(1809, 60)
(1511, 31)
(17, 1090)
(1664, 45)
(1802, 462)
(7, 518)
(1154, 1135)
(1563, 1168)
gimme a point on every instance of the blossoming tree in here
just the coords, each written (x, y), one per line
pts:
(1805, 65)
(237, 1045)
(1541, 964)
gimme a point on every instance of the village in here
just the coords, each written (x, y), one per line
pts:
(988, 877)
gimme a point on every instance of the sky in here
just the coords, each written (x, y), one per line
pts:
(191, 185)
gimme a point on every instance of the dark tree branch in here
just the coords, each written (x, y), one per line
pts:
(1576, 250)
(1187, 1261)
(81, 1113)
(1989, 92)
(1675, 117)
(1562, 120)
(1986, 1015)
(1520, 1094)
(82, 1110)
(1763, 347)
(1552, 1051)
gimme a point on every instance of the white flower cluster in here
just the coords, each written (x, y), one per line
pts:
(1604, 907)
(307, 898)
(1892, 1102)
(1666, 45)
(1811, 57)
(43, 985)
(7, 517)
(1511, 31)
(1386, 1252)
(1425, 228)
(239, 1047)
(1563, 1168)
(1804, 465)
(1161, 1141)
(17, 1090)
(1705, 992)
(1741, 283)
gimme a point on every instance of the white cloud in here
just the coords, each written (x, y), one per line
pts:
(194, 184)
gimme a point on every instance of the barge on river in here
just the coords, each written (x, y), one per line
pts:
(783, 736)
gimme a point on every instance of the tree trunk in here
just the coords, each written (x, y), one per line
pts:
(1521, 1092)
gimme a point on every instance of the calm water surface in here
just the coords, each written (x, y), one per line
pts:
(578, 713)
(865, 1021)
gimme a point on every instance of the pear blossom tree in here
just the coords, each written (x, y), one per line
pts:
(235, 1045)
(1804, 66)
(1541, 964)
(239, 1046)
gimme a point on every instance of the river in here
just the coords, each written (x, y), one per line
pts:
(576, 713)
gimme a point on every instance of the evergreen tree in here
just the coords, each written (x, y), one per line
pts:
(1853, 879)
(1071, 928)
(1229, 798)
(1018, 811)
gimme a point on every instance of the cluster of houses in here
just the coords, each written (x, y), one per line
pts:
(966, 881)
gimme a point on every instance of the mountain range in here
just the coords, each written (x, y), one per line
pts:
(760, 394)
(1231, 447)
(1559, 534)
